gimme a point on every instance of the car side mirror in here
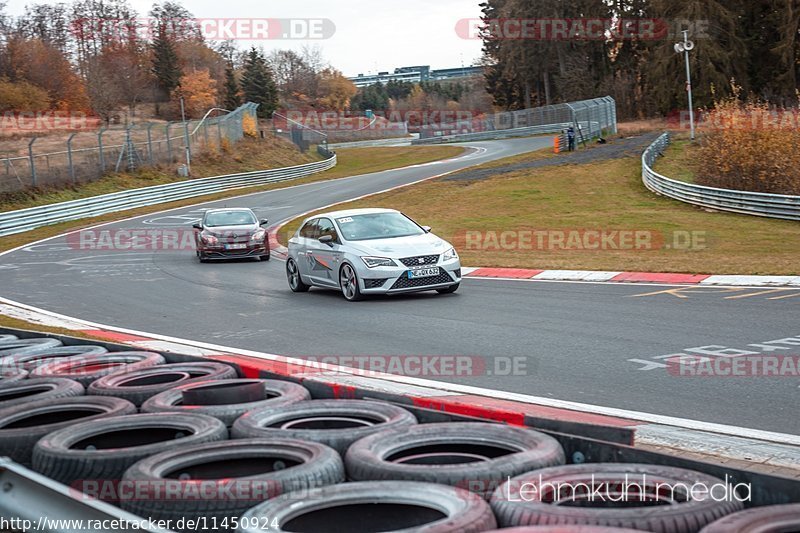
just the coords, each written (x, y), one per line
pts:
(264, 222)
(198, 227)
(326, 239)
(426, 229)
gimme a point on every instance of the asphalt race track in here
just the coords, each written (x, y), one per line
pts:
(601, 344)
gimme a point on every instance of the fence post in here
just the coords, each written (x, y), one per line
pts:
(69, 157)
(33, 163)
(150, 143)
(219, 133)
(100, 147)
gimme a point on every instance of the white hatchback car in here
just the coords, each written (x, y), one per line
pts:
(370, 251)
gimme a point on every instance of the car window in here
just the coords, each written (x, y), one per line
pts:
(326, 227)
(309, 230)
(377, 226)
(229, 218)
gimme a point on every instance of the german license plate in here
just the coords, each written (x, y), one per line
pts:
(235, 246)
(423, 273)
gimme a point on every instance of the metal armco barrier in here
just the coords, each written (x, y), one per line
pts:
(490, 135)
(750, 203)
(581, 136)
(35, 217)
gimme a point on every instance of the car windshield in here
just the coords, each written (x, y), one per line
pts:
(377, 226)
(229, 218)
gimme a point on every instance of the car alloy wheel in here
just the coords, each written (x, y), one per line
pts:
(293, 275)
(348, 281)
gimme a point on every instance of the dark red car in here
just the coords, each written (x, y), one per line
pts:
(231, 233)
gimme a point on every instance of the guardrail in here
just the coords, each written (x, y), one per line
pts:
(750, 203)
(584, 133)
(36, 217)
(494, 134)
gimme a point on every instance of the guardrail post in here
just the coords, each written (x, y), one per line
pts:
(100, 148)
(69, 157)
(33, 163)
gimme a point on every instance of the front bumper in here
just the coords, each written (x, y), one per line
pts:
(219, 252)
(391, 280)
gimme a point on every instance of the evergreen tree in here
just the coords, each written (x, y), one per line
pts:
(166, 66)
(258, 85)
(232, 99)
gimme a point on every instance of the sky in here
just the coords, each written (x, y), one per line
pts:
(370, 35)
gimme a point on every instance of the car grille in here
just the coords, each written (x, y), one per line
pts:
(415, 261)
(404, 283)
(374, 283)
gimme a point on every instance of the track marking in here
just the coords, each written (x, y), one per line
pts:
(785, 296)
(759, 293)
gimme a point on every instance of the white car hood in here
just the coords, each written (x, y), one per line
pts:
(399, 247)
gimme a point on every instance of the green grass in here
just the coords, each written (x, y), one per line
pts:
(678, 161)
(350, 162)
(353, 161)
(606, 195)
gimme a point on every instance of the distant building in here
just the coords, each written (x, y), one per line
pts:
(415, 74)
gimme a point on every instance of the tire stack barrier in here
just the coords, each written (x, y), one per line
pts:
(300, 461)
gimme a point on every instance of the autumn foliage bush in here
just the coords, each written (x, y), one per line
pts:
(752, 147)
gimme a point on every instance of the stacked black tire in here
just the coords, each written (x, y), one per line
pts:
(196, 444)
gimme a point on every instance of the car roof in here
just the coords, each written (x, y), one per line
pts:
(353, 212)
(228, 209)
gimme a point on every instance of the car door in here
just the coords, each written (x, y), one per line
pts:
(305, 238)
(326, 258)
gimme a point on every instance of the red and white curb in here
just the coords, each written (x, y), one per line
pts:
(632, 277)
(602, 276)
(717, 441)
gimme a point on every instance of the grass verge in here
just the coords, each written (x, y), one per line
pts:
(351, 162)
(679, 160)
(606, 195)
(16, 323)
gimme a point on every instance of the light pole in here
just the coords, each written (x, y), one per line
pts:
(684, 48)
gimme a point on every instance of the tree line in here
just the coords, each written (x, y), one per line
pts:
(101, 57)
(750, 44)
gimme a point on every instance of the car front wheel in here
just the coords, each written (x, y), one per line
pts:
(293, 275)
(348, 282)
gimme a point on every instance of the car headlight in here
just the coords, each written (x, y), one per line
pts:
(209, 239)
(258, 235)
(450, 255)
(373, 262)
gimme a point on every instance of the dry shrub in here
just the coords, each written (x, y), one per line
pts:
(249, 126)
(749, 146)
